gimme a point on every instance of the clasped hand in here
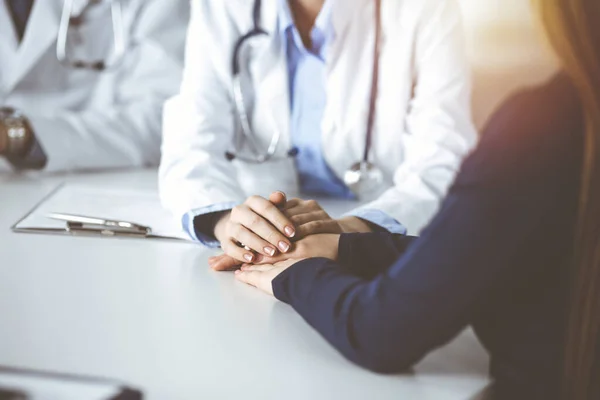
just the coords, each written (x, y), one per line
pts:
(264, 237)
(262, 231)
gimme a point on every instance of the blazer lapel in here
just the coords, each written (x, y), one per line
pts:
(40, 34)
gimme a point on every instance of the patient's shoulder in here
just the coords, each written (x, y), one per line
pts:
(552, 109)
(536, 133)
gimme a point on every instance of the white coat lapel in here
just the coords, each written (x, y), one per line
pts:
(40, 34)
(9, 46)
(349, 73)
(270, 74)
(8, 33)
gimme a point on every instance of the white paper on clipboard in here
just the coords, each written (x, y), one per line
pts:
(139, 206)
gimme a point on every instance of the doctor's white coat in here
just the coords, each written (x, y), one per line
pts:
(423, 126)
(94, 120)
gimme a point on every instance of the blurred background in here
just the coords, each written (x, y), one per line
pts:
(507, 50)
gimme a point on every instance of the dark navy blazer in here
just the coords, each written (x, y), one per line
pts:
(496, 257)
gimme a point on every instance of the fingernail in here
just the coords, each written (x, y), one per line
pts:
(237, 271)
(289, 231)
(284, 246)
(270, 251)
(248, 257)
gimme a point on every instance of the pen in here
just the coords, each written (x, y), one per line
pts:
(111, 227)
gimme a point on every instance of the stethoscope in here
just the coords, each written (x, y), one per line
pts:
(69, 20)
(360, 177)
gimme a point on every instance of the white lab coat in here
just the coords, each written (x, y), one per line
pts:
(423, 127)
(91, 120)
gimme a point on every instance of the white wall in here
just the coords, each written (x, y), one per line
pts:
(507, 50)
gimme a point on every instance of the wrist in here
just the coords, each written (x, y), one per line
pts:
(335, 247)
(3, 139)
(16, 135)
(220, 226)
(354, 225)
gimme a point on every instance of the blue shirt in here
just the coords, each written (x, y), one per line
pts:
(308, 97)
(307, 83)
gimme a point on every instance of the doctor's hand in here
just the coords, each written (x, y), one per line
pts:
(309, 218)
(322, 246)
(256, 227)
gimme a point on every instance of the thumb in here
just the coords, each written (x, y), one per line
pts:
(278, 198)
(223, 263)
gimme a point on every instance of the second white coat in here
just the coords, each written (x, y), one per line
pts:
(89, 120)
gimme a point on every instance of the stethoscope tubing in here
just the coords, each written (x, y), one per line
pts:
(374, 83)
(239, 100)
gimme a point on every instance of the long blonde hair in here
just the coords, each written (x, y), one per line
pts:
(573, 27)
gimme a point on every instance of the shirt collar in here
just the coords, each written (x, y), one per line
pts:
(323, 23)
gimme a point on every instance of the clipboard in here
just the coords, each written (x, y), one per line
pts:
(37, 385)
(141, 207)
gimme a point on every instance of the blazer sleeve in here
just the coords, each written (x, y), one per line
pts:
(439, 130)
(126, 133)
(368, 254)
(433, 291)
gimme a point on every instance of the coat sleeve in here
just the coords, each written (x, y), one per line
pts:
(439, 131)
(199, 121)
(126, 133)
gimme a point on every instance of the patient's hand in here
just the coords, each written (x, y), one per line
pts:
(314, 246)
(309, 218)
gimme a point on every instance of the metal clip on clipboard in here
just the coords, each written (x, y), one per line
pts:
(66, 210)
(82, 225)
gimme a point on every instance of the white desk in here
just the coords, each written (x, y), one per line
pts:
(153, 314)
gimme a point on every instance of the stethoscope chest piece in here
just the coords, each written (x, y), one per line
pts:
(365, 180)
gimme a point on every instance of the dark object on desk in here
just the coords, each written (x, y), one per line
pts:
(7, 394)
(20, 384)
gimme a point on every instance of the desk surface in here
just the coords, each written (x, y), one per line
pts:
(153, 314)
